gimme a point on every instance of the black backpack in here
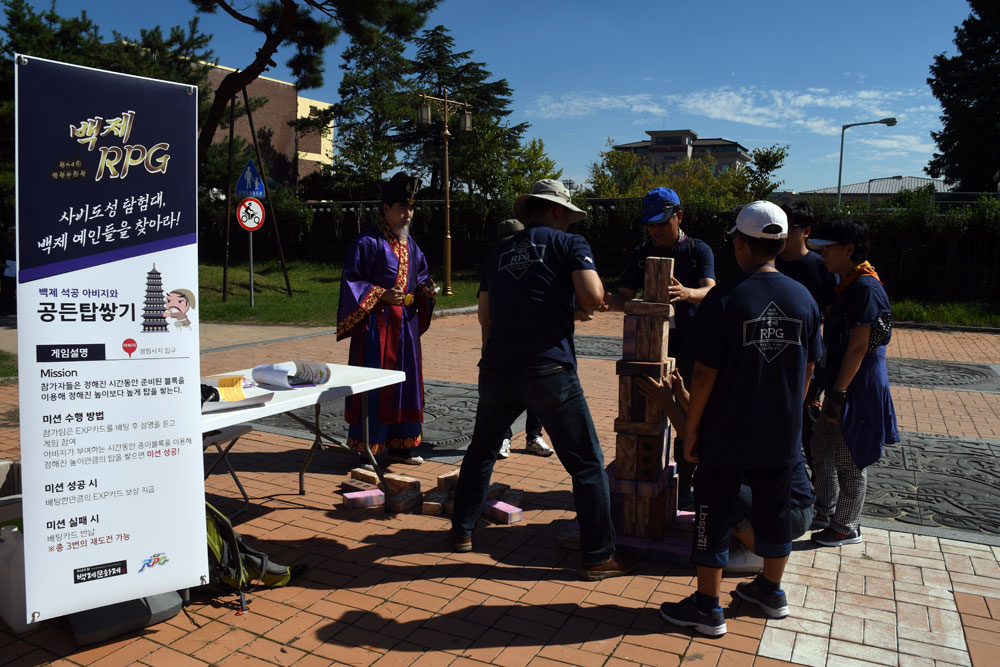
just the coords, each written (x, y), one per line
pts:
(234, 565)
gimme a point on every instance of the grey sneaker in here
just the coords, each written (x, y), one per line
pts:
(742, 561)
(537, 445)
(686, 614)
(774, 605)
(830, 537)
(504, 448)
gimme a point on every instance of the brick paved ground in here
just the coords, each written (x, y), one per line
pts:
(387, 590)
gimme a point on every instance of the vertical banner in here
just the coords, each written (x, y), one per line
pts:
(108, 363)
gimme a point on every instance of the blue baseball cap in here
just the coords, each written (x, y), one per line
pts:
(659, 205)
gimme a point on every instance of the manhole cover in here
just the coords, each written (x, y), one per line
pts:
(921, 373)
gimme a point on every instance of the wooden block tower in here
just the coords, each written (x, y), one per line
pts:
(643, 474)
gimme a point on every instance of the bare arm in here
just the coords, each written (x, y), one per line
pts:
(702, 383)
(589, 290)
(693, 295)
(484, 315)
(857, 347)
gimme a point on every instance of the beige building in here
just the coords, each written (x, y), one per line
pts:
(666, 147)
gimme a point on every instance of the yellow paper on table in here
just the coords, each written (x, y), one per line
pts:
(231, 388)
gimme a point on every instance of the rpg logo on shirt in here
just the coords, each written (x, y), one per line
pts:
(772, 332)
(519, 258)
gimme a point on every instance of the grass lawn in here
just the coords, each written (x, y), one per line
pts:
(972, 314)
(315, 292)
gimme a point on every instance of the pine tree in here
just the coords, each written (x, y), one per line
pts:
(967, 87)
(492, 142)
(307, 27)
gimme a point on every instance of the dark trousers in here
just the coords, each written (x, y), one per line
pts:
(685, 468)
(532, 426)
(553, 391)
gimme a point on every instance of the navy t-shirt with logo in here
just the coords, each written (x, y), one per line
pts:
(759, 331)
(693, 261)
(811, 272)
(529, 281)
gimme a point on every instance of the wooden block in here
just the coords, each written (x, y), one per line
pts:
(513, 497)
(652, 455)
(495, 490)
(657, 488)
(351, 485)
(357, 499)
(448, 506)
(625, 456)
(405, 502)
(657, 370)
(501, 512)
(656, 281)
(630, 333)
(652, 333)
(366, 476)
(434, 502)
(639, 428)
(629, 525)
(615, 485)
(636, 307)
(399, 484)
(447, 481)
(650, 517)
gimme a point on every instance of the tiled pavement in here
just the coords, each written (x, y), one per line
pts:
(386, 590)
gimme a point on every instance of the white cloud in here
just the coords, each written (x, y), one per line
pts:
(818, 111)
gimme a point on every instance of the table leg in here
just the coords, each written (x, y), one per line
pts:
(317, 443)
(368, 449)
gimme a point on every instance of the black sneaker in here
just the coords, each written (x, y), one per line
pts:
(819, 522)
(829, 537)
(686, 614)
(774, 605)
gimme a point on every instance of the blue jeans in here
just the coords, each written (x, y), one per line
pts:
(554, 393)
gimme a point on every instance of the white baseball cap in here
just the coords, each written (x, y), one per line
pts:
(762, 220)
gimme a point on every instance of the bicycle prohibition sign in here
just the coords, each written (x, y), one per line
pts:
(250, 214)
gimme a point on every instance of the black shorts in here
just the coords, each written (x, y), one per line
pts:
(717, 509)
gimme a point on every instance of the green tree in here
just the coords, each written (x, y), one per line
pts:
(758, 174)
(530, 164)
(175, 56)
(306, 27)
(966, 86)
(374, 101)
(438, 67)
(619, 174)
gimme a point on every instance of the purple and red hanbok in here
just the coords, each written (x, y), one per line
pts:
(385, 336)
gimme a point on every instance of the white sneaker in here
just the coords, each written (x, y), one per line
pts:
(742, 561)
(537, 445)
(505, 448)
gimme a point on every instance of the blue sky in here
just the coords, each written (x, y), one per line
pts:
(758, 73)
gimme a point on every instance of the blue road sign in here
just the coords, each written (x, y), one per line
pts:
(250, 183)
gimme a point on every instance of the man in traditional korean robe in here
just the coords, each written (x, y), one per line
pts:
(386, 300)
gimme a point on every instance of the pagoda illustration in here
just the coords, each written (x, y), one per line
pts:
(153, 308)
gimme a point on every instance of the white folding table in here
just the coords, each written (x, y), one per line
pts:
(344, 381)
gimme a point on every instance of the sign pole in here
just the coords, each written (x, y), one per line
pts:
(250, 216)
(267, 192)
(250, 236)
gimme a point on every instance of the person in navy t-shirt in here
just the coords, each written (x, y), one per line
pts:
(534, 285)
(799, 263)
(694, 276)
(757, 337)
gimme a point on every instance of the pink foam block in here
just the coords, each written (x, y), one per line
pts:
(501, 512)
(370, 498)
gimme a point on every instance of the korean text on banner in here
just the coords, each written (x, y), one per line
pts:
(108, 349)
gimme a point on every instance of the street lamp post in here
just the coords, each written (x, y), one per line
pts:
(446, 108)
(843, 128)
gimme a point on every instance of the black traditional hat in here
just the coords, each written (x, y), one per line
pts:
(400, 188)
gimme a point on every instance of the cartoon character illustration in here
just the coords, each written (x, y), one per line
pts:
(178, 303)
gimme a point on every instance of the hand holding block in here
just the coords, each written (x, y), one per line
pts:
(656, 281)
